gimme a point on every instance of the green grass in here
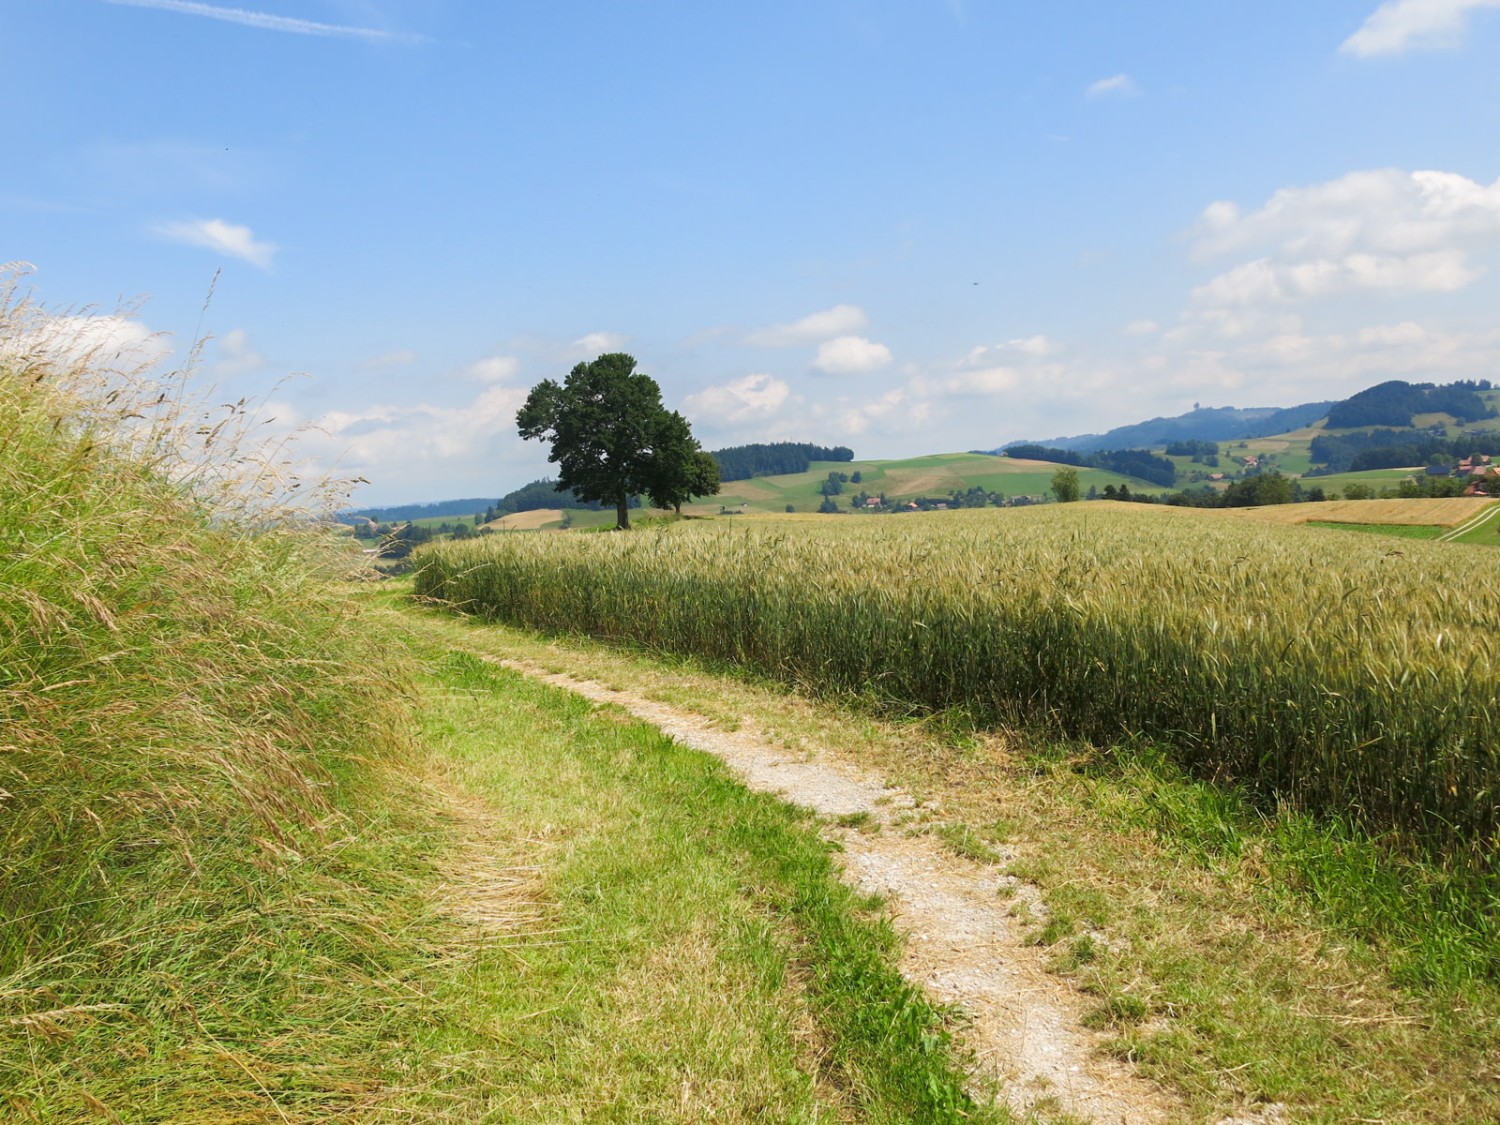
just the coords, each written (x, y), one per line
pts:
(1485, 533)
(693, 955)
(1378, 479)
(1275, 960)
(1399, 530)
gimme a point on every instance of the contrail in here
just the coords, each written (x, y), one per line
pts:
(267, 22)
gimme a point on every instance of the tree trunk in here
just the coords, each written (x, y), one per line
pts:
(679, 509)
(622, 513)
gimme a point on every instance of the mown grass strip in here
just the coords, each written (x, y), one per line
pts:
(1398, 530)
(700, 958)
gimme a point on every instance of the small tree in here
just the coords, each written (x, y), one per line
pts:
(1065, 485)
(680, 470)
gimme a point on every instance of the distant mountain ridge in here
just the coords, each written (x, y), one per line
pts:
(1213, 423)
(399, 513)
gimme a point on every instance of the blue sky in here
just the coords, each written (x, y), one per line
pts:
(909, 226)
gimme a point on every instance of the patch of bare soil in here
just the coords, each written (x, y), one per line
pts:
(965, 944)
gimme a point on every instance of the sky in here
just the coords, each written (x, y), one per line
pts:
(905, 226)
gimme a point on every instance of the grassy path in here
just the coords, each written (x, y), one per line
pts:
(540, 911)
(965, 941)
(1243, 962)
(647, 940)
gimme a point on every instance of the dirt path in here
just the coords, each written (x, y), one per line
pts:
(964, 945)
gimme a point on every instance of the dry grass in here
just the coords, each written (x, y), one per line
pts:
(185, 704)
(1445, 512)
(525, 521)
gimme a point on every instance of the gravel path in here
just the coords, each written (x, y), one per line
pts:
(964, 946)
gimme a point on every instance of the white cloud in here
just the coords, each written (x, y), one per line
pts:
(265, 21)
(1142, 328)
(235, 356)
(1118, 85)
(751, 398)
(1385, 230)
(114, 342)
(851, 355)
(896, 406)
(1402, 25)
(595, 344)
(1382, 211)
(1034, 346)
(1405, 334)
(409, 449)
(981, 381)
(841, 320)
(495, 369)
(225, 238)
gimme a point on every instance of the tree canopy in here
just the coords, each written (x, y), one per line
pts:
(612, 438)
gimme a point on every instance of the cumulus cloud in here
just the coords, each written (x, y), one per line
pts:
(1384, 230)
(1403, 25)
(851, 355)
(1118, 86)
(406, 449)
(1383, 211)
(224, 238)
(896, 406)
(494, 369)
(841, 320)
(595, 344)
(752, 398)
(114, 342)
(235, 356)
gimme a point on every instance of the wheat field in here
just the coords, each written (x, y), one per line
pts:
(1339, 676)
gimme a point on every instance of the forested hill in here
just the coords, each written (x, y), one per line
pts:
(1397, 403)
(1218, 423)
(741, 462)
(1139, 463)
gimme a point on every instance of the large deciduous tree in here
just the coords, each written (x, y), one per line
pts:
(612, 438)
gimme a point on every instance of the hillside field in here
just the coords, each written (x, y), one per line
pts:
(935, 476)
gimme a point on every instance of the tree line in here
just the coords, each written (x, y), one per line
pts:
(1140, 463)
(773, 459)
(1393, 449)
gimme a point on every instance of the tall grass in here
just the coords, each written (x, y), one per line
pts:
(1312, 668)
(180, 691)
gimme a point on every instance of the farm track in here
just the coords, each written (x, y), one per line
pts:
(964, 943)
(1474, 523)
